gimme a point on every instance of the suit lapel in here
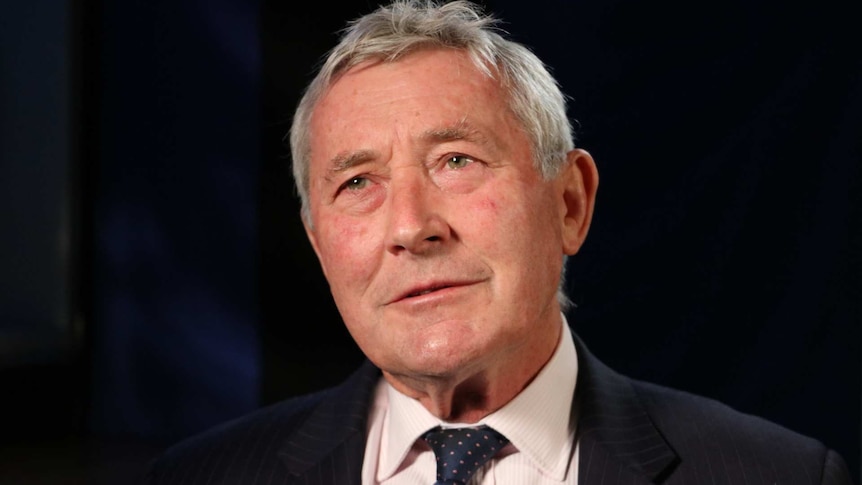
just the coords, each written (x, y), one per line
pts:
(328, 448)
(618, 441)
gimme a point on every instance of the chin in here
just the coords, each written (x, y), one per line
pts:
(448, 361)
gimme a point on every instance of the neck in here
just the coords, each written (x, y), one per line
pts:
(471, 394)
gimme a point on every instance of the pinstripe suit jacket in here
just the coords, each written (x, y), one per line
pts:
(630, 432)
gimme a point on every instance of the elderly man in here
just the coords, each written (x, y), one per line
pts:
(442, 193)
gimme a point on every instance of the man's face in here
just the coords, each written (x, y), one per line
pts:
(441, 243)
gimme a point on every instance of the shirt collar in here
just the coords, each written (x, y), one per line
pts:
(405, 422)
(537, 422)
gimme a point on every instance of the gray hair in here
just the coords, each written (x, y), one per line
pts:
(390, 32)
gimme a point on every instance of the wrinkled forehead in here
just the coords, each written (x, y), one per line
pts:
(424, 100)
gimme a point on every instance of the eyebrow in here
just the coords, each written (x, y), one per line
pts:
(346, 160)
(459, 131)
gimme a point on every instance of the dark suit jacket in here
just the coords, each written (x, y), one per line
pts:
(630, 432)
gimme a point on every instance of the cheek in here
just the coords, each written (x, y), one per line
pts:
(488, 204)
(519, 232)
(343, 246)
(494, 215)
(484, 215)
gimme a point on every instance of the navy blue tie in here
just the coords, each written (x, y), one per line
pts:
(461, 451)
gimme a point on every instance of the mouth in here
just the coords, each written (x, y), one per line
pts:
(426, 289)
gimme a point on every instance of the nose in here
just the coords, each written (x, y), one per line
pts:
(416, 220)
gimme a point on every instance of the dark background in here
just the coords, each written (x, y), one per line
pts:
(156, 279)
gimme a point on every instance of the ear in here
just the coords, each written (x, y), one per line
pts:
(580, 180)
(312, 238)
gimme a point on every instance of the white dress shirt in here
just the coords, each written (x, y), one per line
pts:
(539, 423)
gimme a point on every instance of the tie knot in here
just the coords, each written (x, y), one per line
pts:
(461, 451)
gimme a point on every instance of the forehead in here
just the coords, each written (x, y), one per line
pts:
(377, 103)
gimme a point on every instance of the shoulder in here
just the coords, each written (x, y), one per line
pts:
(708, 433)
(257, 432)
(273, 442)
(288, 414)
(685, 413)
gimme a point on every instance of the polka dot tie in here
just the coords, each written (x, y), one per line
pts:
(461, 451)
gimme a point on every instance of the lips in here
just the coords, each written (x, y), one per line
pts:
(426, 291)
(427, 288)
